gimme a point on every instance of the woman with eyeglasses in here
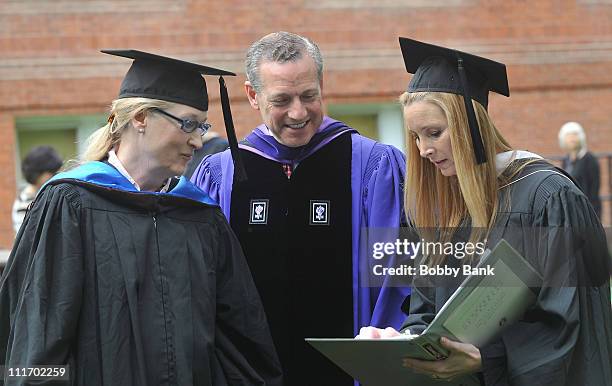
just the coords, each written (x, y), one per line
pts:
(124, 274)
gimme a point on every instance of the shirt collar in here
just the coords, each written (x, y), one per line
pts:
(502, 160)
(116, 162)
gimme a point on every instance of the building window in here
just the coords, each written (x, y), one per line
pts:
(67, 134)
(381, 122)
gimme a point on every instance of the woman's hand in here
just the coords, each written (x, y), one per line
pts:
(377, 333)
(463, 359)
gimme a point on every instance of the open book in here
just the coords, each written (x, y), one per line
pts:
(476, 313)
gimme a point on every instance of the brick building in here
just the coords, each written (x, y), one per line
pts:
(55, 85)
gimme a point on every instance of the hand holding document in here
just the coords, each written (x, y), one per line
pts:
(474, 315)
(463, 360)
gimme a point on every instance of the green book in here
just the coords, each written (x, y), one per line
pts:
(476, 313)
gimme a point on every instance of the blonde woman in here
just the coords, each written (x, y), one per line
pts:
(127, 275)
(467, 183)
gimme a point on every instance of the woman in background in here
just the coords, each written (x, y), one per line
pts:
(39, 165)
(580, 163)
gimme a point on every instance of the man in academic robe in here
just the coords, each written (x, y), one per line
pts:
(313, 189)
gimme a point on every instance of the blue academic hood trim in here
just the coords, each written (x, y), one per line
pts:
(105, 175)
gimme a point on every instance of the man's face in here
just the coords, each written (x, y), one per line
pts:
(290, 100)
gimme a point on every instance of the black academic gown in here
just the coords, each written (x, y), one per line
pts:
(302, 269)
(129, 288)
(565, 338)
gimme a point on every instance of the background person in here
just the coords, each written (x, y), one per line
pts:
(211, 143)
(127, 274)
(580, 163)
(39, 165)
(471, 180)
(315, 187)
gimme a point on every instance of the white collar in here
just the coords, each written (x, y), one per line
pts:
(116, 162)
(502, 160)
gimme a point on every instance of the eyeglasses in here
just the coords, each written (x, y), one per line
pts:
(187, 125)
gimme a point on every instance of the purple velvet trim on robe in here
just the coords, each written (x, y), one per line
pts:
(380, 208)
(262, 143)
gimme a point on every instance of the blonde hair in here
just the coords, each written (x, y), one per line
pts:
(442, 203)
(122, 111)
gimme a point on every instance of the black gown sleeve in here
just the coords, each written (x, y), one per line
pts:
(422, 310)
(244, 347)
(565, 338)
(41, 287)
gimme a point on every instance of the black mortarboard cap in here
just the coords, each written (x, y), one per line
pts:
(441, 69)
(160, 77)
